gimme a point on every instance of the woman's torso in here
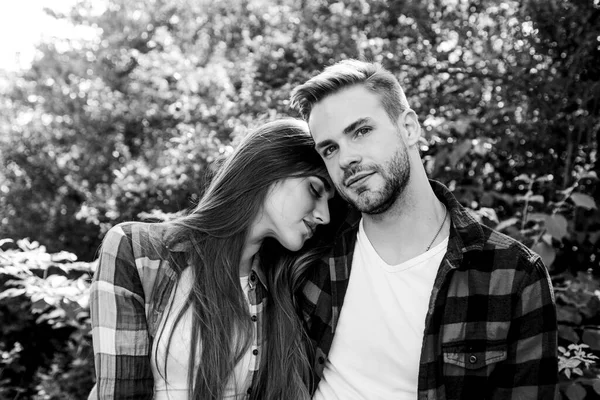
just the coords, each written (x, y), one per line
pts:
(174, 384)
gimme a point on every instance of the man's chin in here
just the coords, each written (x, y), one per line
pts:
(362, 203)
(373, 204)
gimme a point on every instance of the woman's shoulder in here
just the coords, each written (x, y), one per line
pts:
(134, 228)
(141, 239)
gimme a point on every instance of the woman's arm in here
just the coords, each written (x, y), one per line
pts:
(119, 328)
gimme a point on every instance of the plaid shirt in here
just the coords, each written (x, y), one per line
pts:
(130, 290)
(491, 329)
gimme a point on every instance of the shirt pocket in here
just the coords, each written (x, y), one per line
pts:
(469, 359)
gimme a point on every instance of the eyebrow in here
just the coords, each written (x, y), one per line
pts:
(349, 129)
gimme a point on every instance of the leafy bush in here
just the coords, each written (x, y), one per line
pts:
(128, 118)
(46, 346)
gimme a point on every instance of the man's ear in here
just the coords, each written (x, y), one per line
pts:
(410, 122)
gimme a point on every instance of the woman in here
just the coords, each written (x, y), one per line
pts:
(202, 307)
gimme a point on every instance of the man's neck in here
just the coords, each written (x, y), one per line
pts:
(407, 228)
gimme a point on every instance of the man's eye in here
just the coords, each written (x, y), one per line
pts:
(363, 131)
(328, 151)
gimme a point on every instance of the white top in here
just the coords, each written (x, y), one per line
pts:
(176, 386)
(377, 344)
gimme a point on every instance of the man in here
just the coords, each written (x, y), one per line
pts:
(417, 299)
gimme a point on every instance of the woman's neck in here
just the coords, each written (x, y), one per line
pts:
(250, 249)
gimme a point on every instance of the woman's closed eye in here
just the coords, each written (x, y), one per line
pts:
(317, 193)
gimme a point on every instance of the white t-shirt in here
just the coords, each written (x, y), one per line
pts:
(176, 386)
(377, 344)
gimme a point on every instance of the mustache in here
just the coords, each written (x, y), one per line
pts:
(351, 171)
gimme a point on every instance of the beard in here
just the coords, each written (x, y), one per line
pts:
(395, 174)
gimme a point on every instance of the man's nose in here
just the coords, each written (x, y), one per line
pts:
(349, 155)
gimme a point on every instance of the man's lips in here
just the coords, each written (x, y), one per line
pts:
(357, 178)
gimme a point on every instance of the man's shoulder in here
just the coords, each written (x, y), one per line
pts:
(499, 242)
(501, 267)
(502, 254)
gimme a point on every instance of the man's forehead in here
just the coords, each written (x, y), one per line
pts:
(325, 116)
(340, 108)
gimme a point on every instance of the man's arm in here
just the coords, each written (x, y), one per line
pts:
(531, 368)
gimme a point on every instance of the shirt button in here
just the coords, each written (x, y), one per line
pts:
(253, 318)
(321, 360)
(255, 352)
(472, 359)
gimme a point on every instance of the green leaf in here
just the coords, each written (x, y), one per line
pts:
(596, 385)
(536, 199)
(568, 333)
(537, 216)
(568, 314)
(459, 152)
(547, 238)
(523, 177)
(506, 223)
(591, 338)
(12, 292)
(583, 201)
(489, 213)
(572, 363)
(590, 175)
(568, 374)
(575, 391)
(3, 241)
(39, 306)
(556, 225)
(547, 252)
(544, 178)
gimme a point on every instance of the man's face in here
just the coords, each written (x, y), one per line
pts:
(365, 152)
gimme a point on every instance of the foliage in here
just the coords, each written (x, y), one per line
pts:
(124, 121)
(563, 226)
(578, 301)
(572, 363)
(46, 348)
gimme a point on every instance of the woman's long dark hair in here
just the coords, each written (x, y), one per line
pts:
(215, 232)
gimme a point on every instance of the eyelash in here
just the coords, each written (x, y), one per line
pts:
(326, 152)
(359, 132)
(362, 131)
(315, 192)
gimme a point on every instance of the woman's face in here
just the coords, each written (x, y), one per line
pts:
(294, 207)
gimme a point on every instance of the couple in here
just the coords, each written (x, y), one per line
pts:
(251, 295)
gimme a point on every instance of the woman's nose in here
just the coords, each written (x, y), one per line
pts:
(321, 212)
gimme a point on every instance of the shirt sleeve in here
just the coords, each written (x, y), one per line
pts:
(120, 336)
(532, 338)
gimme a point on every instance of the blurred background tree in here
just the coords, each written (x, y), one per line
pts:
(125, 122)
